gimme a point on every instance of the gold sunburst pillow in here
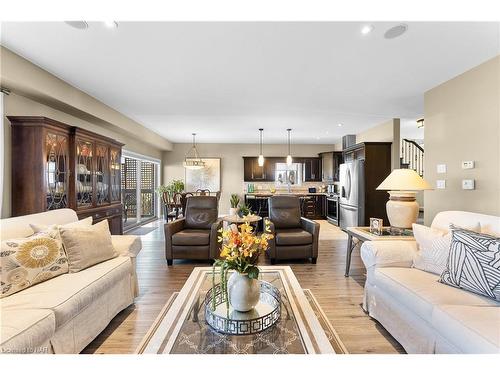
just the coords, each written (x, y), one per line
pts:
(28, 261)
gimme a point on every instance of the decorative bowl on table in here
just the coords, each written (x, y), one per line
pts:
(225, 319)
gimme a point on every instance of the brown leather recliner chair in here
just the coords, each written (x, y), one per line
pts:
(195, 235)
(295, 237)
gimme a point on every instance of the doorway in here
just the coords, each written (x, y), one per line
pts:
(140, 179)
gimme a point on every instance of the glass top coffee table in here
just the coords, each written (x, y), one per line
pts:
(181, 328)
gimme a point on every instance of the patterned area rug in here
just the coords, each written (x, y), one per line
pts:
(330, 332)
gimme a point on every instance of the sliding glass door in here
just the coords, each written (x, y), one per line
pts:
(140, 178)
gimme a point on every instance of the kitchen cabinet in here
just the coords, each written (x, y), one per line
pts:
(330, 162)
(253, 172)
(313, 206)
(312, 169)
(338, 158)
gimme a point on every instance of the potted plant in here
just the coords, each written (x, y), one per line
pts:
(244, 210)
(234, 201)
(240, 251)
(175, 186)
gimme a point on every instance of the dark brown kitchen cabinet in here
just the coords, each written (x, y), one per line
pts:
(338, 158)
(312, 169)
(55, 165)
(253, 172)
(330, 162)
(313, 206)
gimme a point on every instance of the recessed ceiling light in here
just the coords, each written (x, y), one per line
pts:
(339, 124)
(111, 24)
(396, 31)
(81, 25)
(367, 29)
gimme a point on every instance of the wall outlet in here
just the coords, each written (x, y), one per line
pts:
(441, 168)
(468, 164)
(441, 184)
(468, 184)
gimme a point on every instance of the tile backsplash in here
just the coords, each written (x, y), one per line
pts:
(264, 187)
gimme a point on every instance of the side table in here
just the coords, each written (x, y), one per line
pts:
(363, 234)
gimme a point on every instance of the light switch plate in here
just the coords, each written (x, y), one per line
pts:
(441, 168)
(468, 184)
(468, 164)
(441, 184)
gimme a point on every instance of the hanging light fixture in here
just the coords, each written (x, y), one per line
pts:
(192, 159)
(289, 156)
(420, 123)
(261, 156)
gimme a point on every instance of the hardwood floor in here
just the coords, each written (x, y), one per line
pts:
(340, 297)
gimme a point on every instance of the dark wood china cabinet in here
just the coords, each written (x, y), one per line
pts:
(55, 165)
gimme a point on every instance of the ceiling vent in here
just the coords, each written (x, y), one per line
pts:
(395, 31)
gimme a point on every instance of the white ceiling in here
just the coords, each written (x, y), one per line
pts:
(225, 80)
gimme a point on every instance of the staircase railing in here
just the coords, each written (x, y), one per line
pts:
(412, 156)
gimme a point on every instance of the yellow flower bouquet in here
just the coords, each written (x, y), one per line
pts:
(240, 251)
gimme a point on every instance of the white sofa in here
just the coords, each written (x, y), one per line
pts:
(64, 314)
(424, 315)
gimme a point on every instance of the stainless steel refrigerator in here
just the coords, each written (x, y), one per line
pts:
(352, 194)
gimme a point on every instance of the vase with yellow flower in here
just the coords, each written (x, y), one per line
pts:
(240, 251)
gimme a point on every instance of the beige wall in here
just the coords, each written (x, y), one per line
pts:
(35, 92)
(386, 132)
(231, 162)
(27, 79)
(462, 122)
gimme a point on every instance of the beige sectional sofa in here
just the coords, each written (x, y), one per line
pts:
(424, 315)
(64, 314)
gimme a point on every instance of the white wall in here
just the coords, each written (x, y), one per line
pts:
(231, 162)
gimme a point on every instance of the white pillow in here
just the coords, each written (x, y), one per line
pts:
(87, 222)
(86, 246)
(433, 247)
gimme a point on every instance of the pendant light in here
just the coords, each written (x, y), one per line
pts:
(192, 159)
(261, 156)
(289, 156)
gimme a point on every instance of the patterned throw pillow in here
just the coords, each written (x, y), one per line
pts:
(474, 263)
(28, 261)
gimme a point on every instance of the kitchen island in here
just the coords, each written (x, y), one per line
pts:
(312, 205)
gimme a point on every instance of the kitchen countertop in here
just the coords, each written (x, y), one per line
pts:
(269, 194)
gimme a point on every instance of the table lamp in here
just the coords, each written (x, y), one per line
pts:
(402, 207)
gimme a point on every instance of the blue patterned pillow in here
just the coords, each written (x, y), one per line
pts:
(474, 263)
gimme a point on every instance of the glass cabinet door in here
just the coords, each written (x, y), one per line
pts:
(102, 174)
(56, 146)
(115, 165)
(84, 170)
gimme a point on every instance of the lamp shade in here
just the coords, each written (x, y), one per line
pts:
(404, 179)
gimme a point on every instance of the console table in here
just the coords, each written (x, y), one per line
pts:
(363, 234)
